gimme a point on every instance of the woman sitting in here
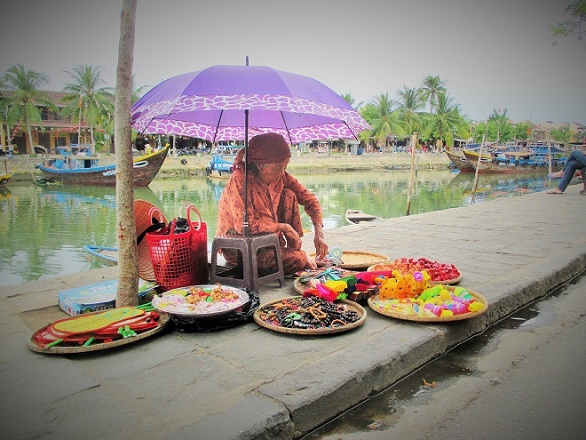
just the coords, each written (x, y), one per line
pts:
(274, 197)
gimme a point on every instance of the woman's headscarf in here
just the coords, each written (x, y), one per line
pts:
(264, 148)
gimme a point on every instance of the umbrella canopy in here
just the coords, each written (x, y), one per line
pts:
(210, 104)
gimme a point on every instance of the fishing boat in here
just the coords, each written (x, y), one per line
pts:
(107, 255)
(355, 216)
(82, 169)
(5, 177)
(460, 162)
(511, 162)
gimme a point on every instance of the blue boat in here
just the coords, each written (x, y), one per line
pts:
(108, 255)
(75, 166)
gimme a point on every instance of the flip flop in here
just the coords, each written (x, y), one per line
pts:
(555, 192)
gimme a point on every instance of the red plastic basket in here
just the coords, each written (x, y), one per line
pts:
(180, 260)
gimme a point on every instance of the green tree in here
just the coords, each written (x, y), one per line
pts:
(106, 121)
(86, 100)
(446, 121)
(25, 97)
(522, 130)
(575, 26)
(380, 115)
(500, 129)
(562, 134)
(410, 118)
(432, 87)
(351, 100)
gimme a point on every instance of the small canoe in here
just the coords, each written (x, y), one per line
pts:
(108, 255)
(355, 216)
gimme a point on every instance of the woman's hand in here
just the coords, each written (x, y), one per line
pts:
(319, 241)
(291, 235)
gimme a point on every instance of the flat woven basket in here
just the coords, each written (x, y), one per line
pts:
(57, 349)
(312, 332)
(389, 266)
(357, 260)
(378, 305)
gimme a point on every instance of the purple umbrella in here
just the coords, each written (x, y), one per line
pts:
(209, 104)
(224, 103)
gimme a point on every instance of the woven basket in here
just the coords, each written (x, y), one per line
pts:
(375, 304)
(357, 260)
(312, 332)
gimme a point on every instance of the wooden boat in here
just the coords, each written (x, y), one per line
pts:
(108, 255)
(460, 162)
(5, 177)
(77, 169)
(355, 216)
(510, 162)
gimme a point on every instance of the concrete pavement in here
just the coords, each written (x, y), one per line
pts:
(249, 382)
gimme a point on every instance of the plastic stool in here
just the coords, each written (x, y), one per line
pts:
(248, 247)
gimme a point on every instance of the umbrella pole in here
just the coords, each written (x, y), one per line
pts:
(245, 222)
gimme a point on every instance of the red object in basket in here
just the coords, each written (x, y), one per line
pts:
(180, 260)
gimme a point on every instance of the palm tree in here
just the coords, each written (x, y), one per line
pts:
(380, 115)
(409, 115)
(24, 98)
(351, 100)
(432, 87)
(85, 99)
(446, 120)
(106, 119)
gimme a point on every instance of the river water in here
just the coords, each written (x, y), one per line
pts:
(43, 228)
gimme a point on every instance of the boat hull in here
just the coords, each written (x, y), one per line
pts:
(494, 166)
(354, 217)
(460, 162)
(144, 170)
(108, 255)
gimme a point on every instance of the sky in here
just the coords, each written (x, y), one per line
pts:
(491, 54)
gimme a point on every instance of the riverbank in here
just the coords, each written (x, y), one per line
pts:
(182, 166)
(249, 382)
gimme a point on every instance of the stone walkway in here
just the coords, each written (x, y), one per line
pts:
(249, 382)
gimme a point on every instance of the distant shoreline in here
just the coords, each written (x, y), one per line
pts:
(24, 165)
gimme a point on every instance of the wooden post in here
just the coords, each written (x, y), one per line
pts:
(477, 169)
(412, 177)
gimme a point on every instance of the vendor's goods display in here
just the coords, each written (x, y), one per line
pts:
(309, 315)
(334, 283)
(98, 330)
(207, 307)
(436, 303)
(351, 260)
(440, 273)
(201, 300)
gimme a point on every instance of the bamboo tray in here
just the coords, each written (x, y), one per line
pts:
(376, 304)
(313, 332)
(356, 260)
(69, 349)
(386, 266)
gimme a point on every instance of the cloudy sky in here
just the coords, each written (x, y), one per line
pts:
(492, 54)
